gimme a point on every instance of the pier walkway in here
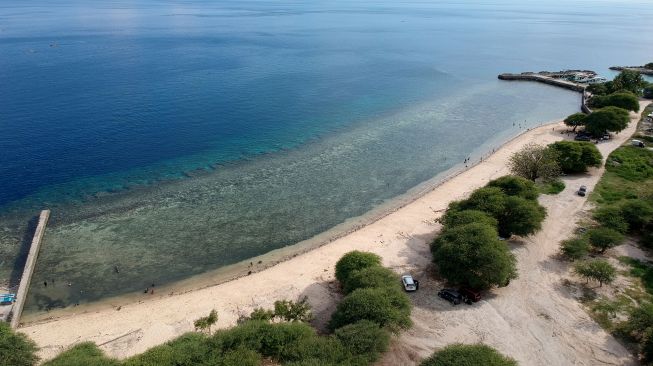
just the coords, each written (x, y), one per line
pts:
(26, 278)
(577, 87)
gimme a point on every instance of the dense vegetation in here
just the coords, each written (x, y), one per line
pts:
(624, 100)
(15, 348)
(468, 355)
(469, 250)
(612, 119)
(624, 200)
(627, 80)
(360, 331)
(576, 156)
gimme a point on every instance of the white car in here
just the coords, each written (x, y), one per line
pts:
(409, 284)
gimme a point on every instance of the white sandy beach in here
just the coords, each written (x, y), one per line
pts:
(535, 319)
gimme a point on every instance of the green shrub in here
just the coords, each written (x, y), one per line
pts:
(473, 255)
(611, 217)
(575, 248)
(189, 349)
(293, 311)
(636, 213)
(468, 355)
(453, 218)
(354, 261)
(576, 156)
(364, 338)
(15, 348)
(239, 357)
(82, 354)
(599, 270)
(520, 217)
(627, 101)
(513, 185)
(385, 307)
(371, 277)
(604, 238)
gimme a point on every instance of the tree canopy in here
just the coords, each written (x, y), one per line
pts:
(629, 80)
(535, 161)
(520, 217)
(385, 307)
(604, 238)
(576, 156)
(474, 256)
(607, 119)
(627, 101)
(575, 120)
(354, 261)
(455, 218)
(516, 186)
(599, 270)
(467, 355)
(375, 276)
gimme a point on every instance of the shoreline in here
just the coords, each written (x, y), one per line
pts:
(263, 262)
(154, 321)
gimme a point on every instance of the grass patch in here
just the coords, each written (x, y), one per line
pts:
(641, 270)
(554, 187)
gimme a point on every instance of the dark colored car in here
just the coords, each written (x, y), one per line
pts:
(450, 295)
(470, 294)
(582, 138)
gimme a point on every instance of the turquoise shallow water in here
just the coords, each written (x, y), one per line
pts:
(170, 139)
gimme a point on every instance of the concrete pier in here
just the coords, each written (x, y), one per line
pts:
(25, 280)
(544, 79)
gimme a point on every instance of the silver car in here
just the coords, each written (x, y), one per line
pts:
(409, 283)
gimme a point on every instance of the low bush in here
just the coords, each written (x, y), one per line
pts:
(15, 348)
(576, 248)
(468, 355)
(553, 187)
(83, 354)
(364, 338)
(372, 277)
(354, 261)
(631, 163)
(636, 213)
(598, 270)
(604, 238)
(627, 101)
(385, 307)
(189, 349)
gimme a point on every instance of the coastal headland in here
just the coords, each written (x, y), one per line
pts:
(402, 239)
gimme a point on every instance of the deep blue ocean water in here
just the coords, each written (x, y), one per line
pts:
(155, 128)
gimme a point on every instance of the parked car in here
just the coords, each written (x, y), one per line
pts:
(450, 295)
(637, 143)
(582, 191)
(409, 283)
(582, 138)
(470, 294)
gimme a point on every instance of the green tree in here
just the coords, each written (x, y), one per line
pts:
(575, 120)
(385, 307)
(576, 156)
(516, 186)
(487, 199)
(607, 119)
(629, 80)
(468, 355)
(291, 311)
(473, 255)
(82, 354)
(600, 88)
(648, 91)
(372, 277)
(15, 348)
(520, 217)
(649, 66)
(354, 261)
(535, 161)
(576, 248)
(260, 314)
(205, 323)
(637, 213)
(627, 101)
(599, 270)
(604, 238)
(453, 218)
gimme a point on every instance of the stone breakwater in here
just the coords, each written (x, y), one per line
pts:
(639, 69)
